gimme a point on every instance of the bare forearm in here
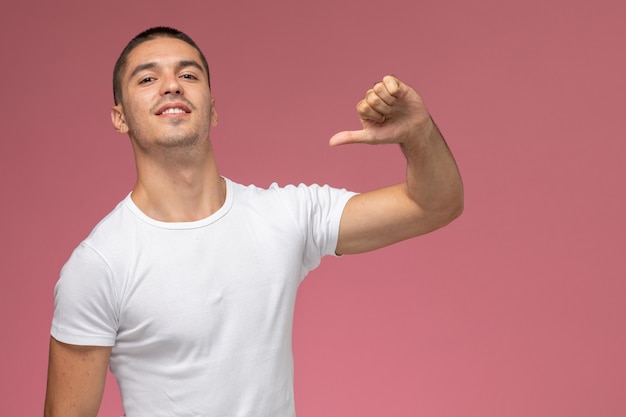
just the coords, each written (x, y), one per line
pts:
(433, 179)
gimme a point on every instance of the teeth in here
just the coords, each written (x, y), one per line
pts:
(173, 111)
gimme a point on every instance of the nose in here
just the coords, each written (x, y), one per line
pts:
(171, 85)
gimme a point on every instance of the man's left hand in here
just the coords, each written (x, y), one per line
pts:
(391, 112)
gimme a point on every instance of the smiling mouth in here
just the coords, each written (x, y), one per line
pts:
(173, 111)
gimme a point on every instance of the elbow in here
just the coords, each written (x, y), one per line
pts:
(448, 216)
(456, 207)
(456, 203)
(449, 212)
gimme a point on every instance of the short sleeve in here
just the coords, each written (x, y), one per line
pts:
(85, 310)
(318, 210)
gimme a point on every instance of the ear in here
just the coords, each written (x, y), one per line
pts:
(213, 113)
(118, 119)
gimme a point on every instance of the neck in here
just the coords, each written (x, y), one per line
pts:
(178, 189)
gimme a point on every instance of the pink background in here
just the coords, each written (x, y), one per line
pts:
(516, 309)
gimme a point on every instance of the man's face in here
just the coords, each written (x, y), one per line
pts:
(166, 98)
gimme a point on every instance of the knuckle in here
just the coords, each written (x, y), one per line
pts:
(372, 100)
(362, 106)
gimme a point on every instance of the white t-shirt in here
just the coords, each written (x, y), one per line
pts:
(200, 314)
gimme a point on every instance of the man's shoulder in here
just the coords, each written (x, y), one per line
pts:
(288, 190)
(112, 227)
(300, 201)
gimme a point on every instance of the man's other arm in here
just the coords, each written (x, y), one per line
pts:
(76, 378)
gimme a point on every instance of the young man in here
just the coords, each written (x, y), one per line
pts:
(187, 289)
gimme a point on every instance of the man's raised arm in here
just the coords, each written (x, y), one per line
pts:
(431, 196)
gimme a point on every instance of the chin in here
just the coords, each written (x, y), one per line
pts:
(179, 141)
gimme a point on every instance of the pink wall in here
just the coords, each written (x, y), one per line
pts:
(517, 309)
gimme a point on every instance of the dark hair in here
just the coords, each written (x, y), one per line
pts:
(146, 35)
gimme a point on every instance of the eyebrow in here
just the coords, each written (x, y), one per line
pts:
(153, 65)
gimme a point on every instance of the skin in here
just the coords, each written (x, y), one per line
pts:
(432, 194)
(177, 176)
(178, 180)
(76, 377)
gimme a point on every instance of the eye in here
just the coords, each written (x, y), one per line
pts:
(146, 80)
(189, 77)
